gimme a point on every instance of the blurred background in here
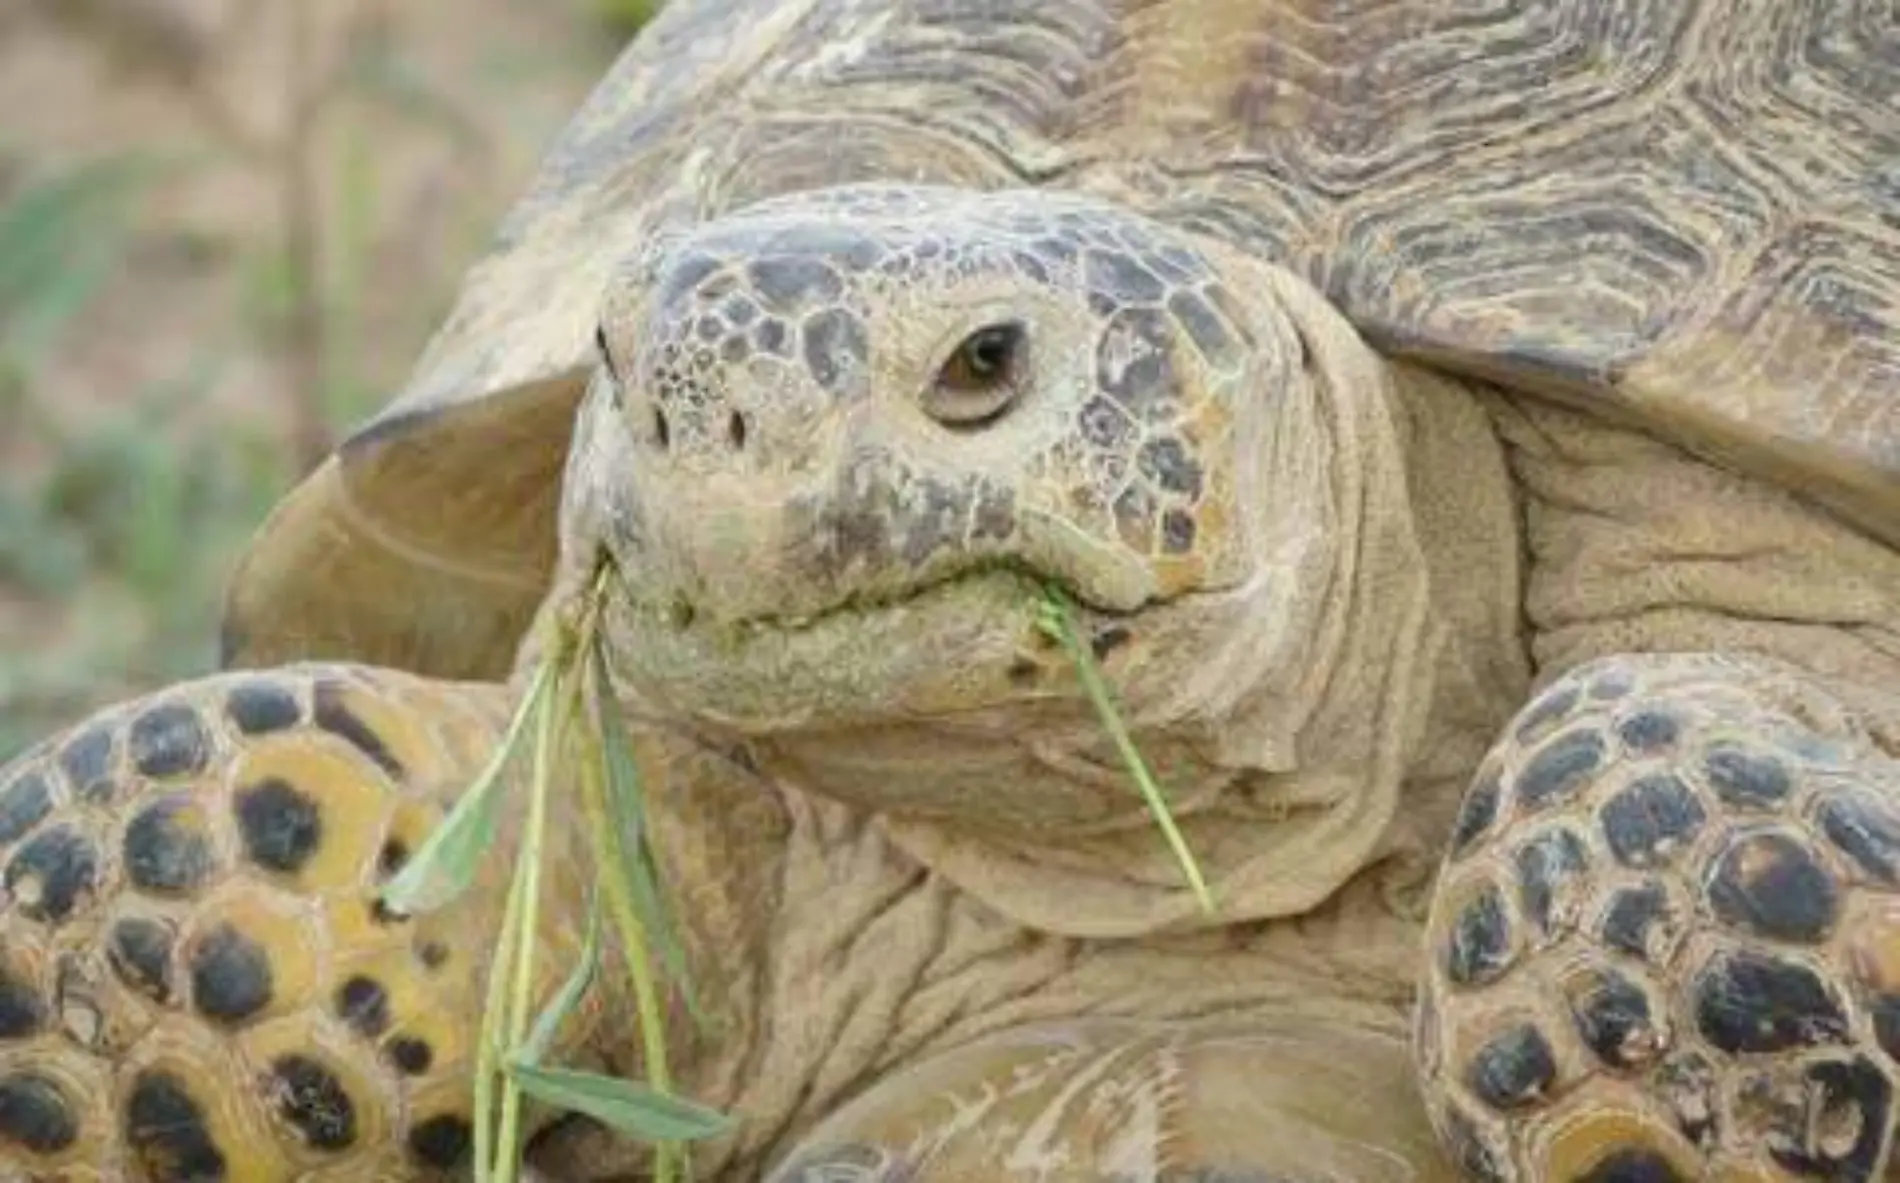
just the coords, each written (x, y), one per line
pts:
(227, 228)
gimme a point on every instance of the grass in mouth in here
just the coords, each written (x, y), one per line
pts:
(569, 693)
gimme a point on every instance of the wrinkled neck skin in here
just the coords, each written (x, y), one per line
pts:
(1284, 715)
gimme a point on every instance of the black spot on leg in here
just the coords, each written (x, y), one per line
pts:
(169, 740)
(24, 803)
(441, 1141)
(333, 714)
(1639, 921)
(1651, 819)
(1612, 1015)
(1745, 779)
(52, 874)
(86, 761)
(1648, 731)
(410, 1055)
(1755, 1002)
(281, 827)
(1515, 1069)
(260, 707)
(1772, 885)
(35, 1114)
(140, 952)
(364, 1005)
(22, 1011)
(230, 976)
(1632, 1166)
(1550, 870)
(166, 848)
(1848, 1100)
(391, 857)
(1866, 831)
(1478, 948)
(1476, 813)
(433, 954)
(167, 1131)
(311, 1098)
(1545, 713)
(1560, 769)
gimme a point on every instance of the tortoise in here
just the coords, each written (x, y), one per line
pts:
(1470, 437)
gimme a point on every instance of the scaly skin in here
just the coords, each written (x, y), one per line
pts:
(937, 933)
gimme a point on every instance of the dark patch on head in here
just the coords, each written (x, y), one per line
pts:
(140, 952)
(1841, 1096)
(1613, 683)
(167, 1131)
(1515, 1069)
(1476, 813)
(1550, 871)
(1640, 921)
(22, 1011)
(1756, 1002)
(738, 310)
(310, 1097)
(1177, 532)
(433, 954)
(334, 715)
(1560, 769)
(788, 284)
(35, 1114)
(1866, 831)
(410, 1055)
(230, 976)
(1773, 886)
(1134, 363)
(24, 803)
(1121, 277)
(364, 1005)
(169, 740)
(441, 1141)
(1170, 465)
(1105, 425)
(1745, 779)
(87, 762)
(259, 707)
(1613, 1018)
(770, 337)
(52, 874)
(167, 850)
(836, 351)
(684, 275)
(1651, 819)
(1135, 518)
(1479, 947)
(1202, 325)
(281, 826)
(1108, 639)
(1648, 731)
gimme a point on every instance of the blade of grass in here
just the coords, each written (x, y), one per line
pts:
(1057, 618)
(541, 1036)
(445, 865)
(631, 1108)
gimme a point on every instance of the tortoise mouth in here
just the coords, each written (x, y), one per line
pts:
(957, 643)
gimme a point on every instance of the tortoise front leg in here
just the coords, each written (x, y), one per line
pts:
(1257, 1100)
(1666, 942)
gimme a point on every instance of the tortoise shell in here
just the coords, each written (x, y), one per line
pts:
(1682, 214)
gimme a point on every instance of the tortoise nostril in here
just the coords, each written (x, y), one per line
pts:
(662, 435)
(735, 430)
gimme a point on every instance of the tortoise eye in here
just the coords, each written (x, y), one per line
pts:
(981, 378)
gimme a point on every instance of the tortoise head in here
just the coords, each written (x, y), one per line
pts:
(841, 443)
